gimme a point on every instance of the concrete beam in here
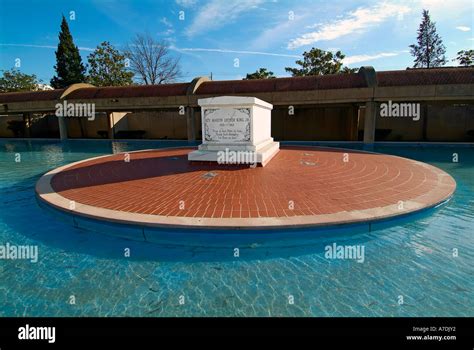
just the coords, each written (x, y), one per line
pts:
(453, 93)
(194, 85)
(74, 87)
(370, 76)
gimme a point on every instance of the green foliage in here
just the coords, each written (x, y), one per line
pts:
(107, 67)
(13, 80)
(69, 67)
(261, 73)
(465, 58)
(320, 62)
(429, 51)
(347, 70)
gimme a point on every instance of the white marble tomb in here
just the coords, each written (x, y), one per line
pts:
(235, 124)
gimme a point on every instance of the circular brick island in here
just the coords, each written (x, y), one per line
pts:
(300, 186)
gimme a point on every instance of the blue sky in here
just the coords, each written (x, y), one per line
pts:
(214, 33)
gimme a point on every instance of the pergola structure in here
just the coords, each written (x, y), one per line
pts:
(365, 90)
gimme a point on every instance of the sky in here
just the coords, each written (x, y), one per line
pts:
(230, 38)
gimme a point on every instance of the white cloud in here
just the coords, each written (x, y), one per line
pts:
(197, 49)
(429, 4)
(219, 12)
(279, 32)
(442, 9)
(364, 58)
(186, 3)
(166, 22)
(169, 27)
(441, 5)
(271, 35)
(463, 28)
(357, 21)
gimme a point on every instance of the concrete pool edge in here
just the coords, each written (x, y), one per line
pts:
(46, 194)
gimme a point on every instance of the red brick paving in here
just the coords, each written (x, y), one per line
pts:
(316, 180)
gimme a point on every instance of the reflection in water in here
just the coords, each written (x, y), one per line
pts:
(212, 245)
(413, 258)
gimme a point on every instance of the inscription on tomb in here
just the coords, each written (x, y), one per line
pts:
(227, 125)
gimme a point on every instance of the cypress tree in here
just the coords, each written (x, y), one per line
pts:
(429, 50)
(69, 67)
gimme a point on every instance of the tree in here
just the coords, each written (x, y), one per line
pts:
(347, 70)
(320, 62)
(69, 67)
(261, 73)
(107, 67)
(465, 58)
(429, 51)
(13, 80)
(151, 61)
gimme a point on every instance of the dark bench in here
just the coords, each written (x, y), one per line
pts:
(130, 134)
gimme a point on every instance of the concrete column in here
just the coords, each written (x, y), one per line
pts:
(369, 122)
(110, 123)
(117, 122)
(190, 123)
(370, 78)
(62, 128)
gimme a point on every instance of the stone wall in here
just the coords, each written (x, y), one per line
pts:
(450, 122)
(315, 123)
(45, 126)
(42, 126)
(84, 128)
(4, 122)
(438, 122)
(159, 124)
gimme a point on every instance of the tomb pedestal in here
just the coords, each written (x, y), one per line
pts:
(235, 130)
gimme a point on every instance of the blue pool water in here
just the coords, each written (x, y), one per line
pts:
(412, 258)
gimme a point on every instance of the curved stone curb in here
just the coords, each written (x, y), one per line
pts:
(445, 182)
